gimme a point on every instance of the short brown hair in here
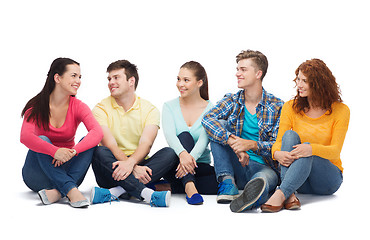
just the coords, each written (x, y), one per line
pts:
(258, 58)
(130, 69)
(324, 89)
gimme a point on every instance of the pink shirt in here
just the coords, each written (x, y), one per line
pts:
(65, 135)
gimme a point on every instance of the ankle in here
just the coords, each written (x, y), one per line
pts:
(53, 195)
(190, 189)
(74, 195)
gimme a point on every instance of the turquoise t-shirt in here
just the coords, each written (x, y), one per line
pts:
(251, 132)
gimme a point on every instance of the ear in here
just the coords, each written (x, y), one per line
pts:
(200, 83)
(57, 78)
(259, 74)
(131, 81)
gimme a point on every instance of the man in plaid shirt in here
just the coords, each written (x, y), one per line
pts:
(242, 128)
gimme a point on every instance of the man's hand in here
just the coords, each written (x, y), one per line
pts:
(241, 145)
(123, 169)
(243, 158)
(142, 173)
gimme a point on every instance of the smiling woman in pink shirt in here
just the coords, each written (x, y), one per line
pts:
(55, 166)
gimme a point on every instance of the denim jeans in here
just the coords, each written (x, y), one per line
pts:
(160, 163)
(39, 173)
(227, 164)
(310, 175)
(204, 178)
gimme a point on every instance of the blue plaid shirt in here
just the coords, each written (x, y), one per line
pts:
(231, 108)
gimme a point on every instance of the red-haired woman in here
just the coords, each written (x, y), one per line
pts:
(311, 134)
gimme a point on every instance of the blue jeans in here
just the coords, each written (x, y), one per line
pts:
(39, 173)
(160, 163)
(204, 178)
(310, 175)
(227, 164)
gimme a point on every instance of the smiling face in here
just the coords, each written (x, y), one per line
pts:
(247, 74)
(70, 81)
(302, 85)
(187, 83)
(118, 84)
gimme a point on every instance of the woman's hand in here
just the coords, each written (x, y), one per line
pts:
(63, 155)
(302, 150)
(187, 164)
(284, 158)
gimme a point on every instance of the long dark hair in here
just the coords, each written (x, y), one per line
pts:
(200, 74)
(39, 104)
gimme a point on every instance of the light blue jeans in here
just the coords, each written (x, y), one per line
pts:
(310, 175)
(227, 163)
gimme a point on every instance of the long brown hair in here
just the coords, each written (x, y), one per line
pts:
(323, 87)
(39, 104)
(200, 74)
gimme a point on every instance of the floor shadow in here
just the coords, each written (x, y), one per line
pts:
(307, 199)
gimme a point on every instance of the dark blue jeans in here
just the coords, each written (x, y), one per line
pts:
(311, 175)
(160, 163)
(204, 178)
(39, 173)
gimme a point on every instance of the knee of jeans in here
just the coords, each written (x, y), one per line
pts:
(45, 138)
(289, 139)
(99, 151)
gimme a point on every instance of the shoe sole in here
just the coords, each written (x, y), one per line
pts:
(251, 193)
(168, 198)
(224, 199)
(92, 194)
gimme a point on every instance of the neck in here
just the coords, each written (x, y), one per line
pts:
(58, 99)
(191, 100)
(126, 101)
(253, 95)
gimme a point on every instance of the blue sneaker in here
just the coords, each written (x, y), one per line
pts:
(227, 191)
(160, 199)
(101, 195)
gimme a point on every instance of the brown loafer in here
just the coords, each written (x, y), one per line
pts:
(271, 209)
(294, 205)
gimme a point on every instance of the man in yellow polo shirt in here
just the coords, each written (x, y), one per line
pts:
(130, 125)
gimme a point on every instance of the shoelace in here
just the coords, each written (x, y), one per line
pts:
(109, 197)
(224, 187)
(153, 200)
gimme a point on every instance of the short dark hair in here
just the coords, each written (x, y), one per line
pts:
(258, 58)
(130, 69)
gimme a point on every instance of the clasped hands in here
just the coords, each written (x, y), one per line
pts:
(240, 146)
(63, 155)
(300, 150)
(123, 169)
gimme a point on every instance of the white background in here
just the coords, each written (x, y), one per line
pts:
(159, 36)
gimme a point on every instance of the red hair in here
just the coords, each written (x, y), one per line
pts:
(323, 87)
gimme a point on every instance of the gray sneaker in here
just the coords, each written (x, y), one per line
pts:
(250, 195)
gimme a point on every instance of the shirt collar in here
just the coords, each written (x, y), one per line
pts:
(263, 101)
(135, 106)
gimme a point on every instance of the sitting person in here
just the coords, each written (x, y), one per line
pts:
(130, 125)
(54, 165)
(181, 121)
(242, 128)
(311, 134)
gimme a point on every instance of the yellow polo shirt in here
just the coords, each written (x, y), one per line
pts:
(126, 127)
